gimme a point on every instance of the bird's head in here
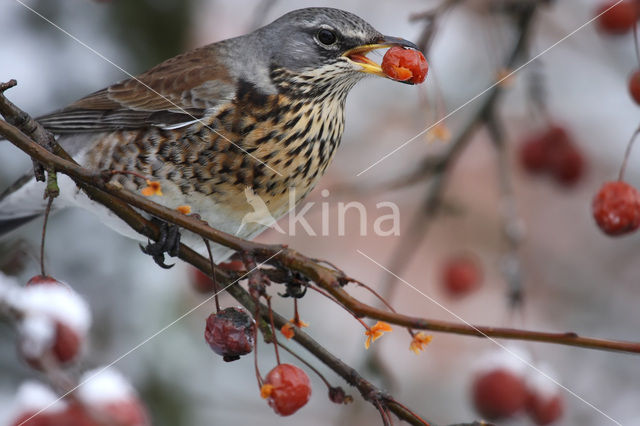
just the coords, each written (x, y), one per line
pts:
(325, 43)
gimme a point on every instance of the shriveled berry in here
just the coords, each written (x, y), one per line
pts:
(289, 390)
(338, 396)
(461, 275)
(544, 409)
(620, 19)
(634, 86)
(616, 208)
(405, 65)
(499, 394)
(230, 333)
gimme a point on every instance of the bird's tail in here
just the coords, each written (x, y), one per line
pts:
(20, 203)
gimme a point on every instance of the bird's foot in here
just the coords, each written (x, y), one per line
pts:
(168, 242)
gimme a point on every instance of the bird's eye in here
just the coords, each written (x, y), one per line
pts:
(326, 37)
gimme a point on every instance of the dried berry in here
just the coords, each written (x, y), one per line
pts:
(288, 389)
(616, 208)
(634, 86)
(499, 394)
(461, 275)
(405, 65)
(230, 333)
(620, 19)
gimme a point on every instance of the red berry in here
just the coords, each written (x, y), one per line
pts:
(126, 413)
(43, 280)
(634, 86)
(31, 419)
(67, 343)
(63, 348)
(616, 208)
(230, 333)
(499, 394)
(201, 281)
(554, 151)
(405, 64)
(536, 151)
(533, 155)
(566, 164)
(291, 389)
(461, 275)
(619, 19)
(545, 410)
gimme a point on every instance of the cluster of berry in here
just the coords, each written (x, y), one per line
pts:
(53, 322)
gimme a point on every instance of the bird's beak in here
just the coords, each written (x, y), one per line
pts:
(357, 55)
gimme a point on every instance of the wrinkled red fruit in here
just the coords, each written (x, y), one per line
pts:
(634, 86)
(230, 333)
(405, 65)
(616, 208)
(553, 151)
(499, 394)
(461, 275)
(620, 19)
(545, 410)
(291, 389)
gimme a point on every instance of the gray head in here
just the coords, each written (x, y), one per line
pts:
(323, 39)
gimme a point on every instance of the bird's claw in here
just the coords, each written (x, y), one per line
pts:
(168, 242)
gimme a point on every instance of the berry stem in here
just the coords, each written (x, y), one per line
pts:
(213, 274)
(627, 153)
(296, 315)
(386, 419)
(44, 233)
(273, 329)
(256, 317)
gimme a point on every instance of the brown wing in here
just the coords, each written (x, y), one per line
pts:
(178, 90)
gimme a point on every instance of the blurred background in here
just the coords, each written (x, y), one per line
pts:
(575, 278)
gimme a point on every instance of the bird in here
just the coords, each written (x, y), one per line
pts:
(263, 111)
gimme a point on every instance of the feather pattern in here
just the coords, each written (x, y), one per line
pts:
(179, 90)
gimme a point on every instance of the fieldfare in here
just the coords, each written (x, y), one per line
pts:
(261, 114)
